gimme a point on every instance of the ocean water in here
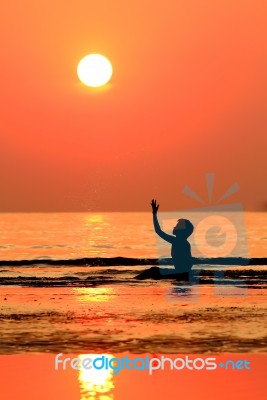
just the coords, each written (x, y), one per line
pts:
(105, 247)
(73, 293)
(77, 235)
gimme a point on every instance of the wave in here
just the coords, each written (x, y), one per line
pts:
(239, 278)
(126, 261)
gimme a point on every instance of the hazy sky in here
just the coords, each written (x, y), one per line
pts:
(188, 96)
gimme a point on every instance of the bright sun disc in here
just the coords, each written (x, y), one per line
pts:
(94, 70)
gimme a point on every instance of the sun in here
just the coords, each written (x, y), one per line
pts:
(94, 70)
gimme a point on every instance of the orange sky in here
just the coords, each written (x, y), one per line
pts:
(188, 96)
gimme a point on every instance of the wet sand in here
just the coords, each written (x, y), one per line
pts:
(154, 317)
(35, 377)
(67, 286)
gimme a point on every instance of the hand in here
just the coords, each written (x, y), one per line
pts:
(155, 206)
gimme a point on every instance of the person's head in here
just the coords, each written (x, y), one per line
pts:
(183, 229)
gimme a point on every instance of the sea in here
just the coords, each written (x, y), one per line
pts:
(68, 283)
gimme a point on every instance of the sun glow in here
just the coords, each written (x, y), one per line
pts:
(94, 70)
(99, 295)
(96, 384)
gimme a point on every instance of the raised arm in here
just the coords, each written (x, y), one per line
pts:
(158, 230)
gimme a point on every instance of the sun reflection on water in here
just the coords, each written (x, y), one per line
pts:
(100, 294)
(97, 237)
(96, 384)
